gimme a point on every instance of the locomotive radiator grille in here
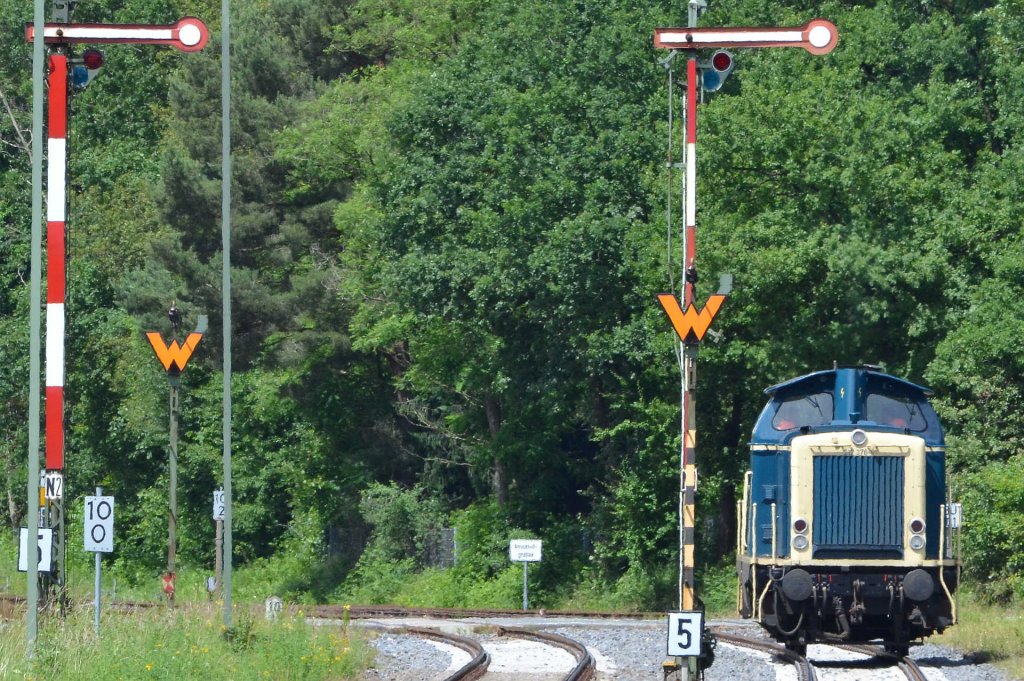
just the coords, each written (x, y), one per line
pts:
(858, 506)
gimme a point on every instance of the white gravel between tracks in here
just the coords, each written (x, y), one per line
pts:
(512, 656)
(836, 664)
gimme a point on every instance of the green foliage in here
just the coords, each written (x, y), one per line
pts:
(449, 228)
(401, 520)
(182, 644)
(993, 498)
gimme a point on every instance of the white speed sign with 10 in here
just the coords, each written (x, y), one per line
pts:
(99, 524)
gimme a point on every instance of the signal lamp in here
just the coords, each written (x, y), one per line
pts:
(799, 525)
(800, 542)
(92, 59)
(86, 67)
(917, 526)
(917, 542)
(716, 70)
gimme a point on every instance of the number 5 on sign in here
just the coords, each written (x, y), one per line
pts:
(685, 632)
(44, 550)
(99, 524)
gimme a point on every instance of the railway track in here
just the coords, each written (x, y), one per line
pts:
(584, 667)
(906, 665)
(480, 659)
(805, 668)
(373, 611)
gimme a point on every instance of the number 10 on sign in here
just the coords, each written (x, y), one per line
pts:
(99, 524)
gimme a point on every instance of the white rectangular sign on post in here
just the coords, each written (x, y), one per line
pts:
(44, 547)
(685, 633)
(99, 524)
(54, 483)
(956, 515)
(218, 504)
(524, 550)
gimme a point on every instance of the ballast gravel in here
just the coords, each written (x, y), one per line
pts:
(629, 650)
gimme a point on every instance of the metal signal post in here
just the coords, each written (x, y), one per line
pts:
(818, 36)
(174, 359)
(187, 35)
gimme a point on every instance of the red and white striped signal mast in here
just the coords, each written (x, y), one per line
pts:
(686, 628)
(67, 73)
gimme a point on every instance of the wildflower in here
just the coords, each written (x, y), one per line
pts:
(149, 666)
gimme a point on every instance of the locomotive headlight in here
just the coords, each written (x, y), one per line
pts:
(859, 438)
(800, 542)
(917, 526)
(917, 542)
(799, 525)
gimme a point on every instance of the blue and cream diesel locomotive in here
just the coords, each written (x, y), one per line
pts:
(844, 525)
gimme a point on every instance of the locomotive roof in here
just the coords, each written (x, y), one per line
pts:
(829, 373)
(844, 398)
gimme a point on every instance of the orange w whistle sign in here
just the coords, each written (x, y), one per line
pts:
(691, 325)
(173, 355)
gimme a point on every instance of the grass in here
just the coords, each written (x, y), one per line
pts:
(990, 633)
(187, 643)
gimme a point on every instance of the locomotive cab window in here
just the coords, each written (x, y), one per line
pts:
(894, 410)
(803, 410)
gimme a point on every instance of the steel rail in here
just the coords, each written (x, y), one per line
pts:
(804, 669)
(585, 664)
(474, 669)
(906, 665)
(372, 611)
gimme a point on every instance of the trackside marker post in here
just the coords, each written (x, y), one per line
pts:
(99, 538)
(818, 36)
(174, 358)
(526, 551)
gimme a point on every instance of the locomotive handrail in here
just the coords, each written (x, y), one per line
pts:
(775, 535)
(753, 544)
(760, 601)
(942, 561)
(746, 495)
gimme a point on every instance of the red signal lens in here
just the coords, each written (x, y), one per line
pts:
(92, 59)
(721, 61)
(917, 526)
(800, 525)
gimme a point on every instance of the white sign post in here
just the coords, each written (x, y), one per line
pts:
(99, 523)
(685, 633)
(44, 550)
(99, 536)
(525, 551)
(218, 504)
(54, 483)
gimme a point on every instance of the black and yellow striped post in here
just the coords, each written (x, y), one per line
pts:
(691, 326)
